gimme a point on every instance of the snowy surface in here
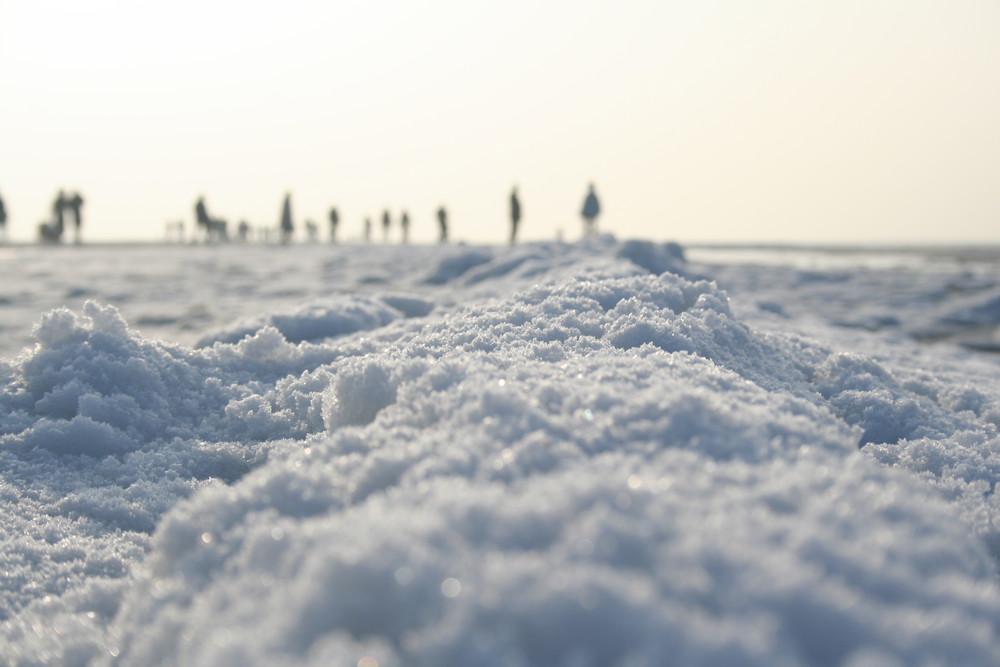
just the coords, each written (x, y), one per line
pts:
(553, 454)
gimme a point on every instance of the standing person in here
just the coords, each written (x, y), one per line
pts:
(368, 230)
(515, 214)
(386, 221)
(75, 205)
(3, 221)
(51, 232)
(202, 218)
(286, 220)
(215, 228)
(404, 222)
(442, 215)
(334, 222)
(591, 209)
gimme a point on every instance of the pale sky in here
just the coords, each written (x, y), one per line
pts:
(716, 120)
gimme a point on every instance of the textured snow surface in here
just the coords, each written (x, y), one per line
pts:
(553, 454)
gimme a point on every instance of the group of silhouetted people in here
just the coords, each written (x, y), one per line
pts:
(215, 229)
(52, 230)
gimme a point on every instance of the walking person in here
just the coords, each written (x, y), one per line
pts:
(591, 209)
(515, 215)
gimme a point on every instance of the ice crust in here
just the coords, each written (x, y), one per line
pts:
(556, 454)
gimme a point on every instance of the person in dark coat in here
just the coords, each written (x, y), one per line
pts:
(334, 222)
(515, 215)
(591, 209)
(286, 220)
(442, 216)
(386, 221)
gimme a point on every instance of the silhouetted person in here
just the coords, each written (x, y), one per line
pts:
(51, 232)
(334, 222)
(286, 225)
(243, 231)
(3, 221)
(442, 215)
(368, 230)
(215, 228)
(201, 212)
(515, 215)
(591, 209)
(404, 222)
(75, 206)
(386, 221)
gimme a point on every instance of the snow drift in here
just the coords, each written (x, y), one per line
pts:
(556, 454)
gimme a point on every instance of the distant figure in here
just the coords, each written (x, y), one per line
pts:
(515, 215)
(404, 222)
(3, 221)
(591, 209)
(215, 228)
(368, 230)
(201, 211)
(386, 221)
(312, 231)
(334, 223)
(243, 231)
(443, 224)
(52, 231)
(286, 225)
(75, 205)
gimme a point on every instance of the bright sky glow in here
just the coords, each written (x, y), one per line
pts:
(774, 120)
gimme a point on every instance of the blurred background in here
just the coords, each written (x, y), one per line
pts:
(726, 120)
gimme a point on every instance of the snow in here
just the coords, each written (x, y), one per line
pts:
(562, 454)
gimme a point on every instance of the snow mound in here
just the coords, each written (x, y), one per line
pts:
(596, 463)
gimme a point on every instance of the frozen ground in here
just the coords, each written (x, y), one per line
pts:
(555, 454)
